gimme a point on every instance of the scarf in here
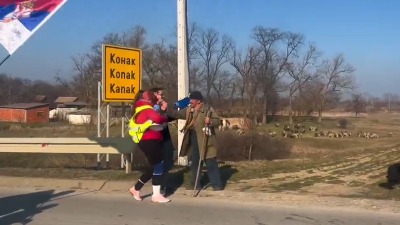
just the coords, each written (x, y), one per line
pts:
(191, 116)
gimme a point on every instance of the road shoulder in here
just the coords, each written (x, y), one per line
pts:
(282, 198)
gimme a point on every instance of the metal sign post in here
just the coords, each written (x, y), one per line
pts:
(121, 80)
(126, 159)
(100, 119)
(108, 133)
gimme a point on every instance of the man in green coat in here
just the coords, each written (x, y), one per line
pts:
(199, 145)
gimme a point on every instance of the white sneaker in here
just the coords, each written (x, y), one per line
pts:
(159, 199)
(135, 194)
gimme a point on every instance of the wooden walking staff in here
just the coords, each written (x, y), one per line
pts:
(202, 151)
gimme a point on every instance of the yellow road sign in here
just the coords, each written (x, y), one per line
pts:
(122, 73)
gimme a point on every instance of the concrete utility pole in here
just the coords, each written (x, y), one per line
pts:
(183, 68)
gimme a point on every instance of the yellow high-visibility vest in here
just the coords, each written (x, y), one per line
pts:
(136, 130)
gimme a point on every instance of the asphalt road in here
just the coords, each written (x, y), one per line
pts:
(49, 207)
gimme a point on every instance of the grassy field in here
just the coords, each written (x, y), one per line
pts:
(352, 166)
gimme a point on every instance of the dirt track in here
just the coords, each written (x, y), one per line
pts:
(350, 176)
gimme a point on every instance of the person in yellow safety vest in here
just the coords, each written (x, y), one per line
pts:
(146, 130)
(168, 147)
(137, 130)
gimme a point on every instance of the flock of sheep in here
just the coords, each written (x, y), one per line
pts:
(241, 125)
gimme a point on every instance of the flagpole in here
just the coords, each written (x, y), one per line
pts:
(8, 56)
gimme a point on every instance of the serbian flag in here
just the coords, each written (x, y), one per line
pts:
(19, 19)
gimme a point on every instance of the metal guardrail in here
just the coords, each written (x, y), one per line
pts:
(68, 145)
(120, 145)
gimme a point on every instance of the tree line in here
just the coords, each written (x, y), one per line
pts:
(277, 71)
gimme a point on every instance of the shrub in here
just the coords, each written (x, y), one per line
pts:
(4, 126)
(343, 123)
(252, 146)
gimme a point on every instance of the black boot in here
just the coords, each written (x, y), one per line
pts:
(218, 188)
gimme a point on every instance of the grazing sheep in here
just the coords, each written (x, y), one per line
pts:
(345, 133)
(373, 135)
(323, 133)
(312, 128)
(240, 132)
(236, 123)
(295, 135)
(286, 127)
(225, 124)
(367, 135)
(299, 125)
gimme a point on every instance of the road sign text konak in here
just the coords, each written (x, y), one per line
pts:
(122, 73)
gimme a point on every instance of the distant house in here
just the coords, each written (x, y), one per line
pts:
(25, 113)
(63, 106)
(80, 117)
(39, 98)
(62, 100)
(78, 105)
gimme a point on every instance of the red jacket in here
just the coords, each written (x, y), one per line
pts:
(150, 114)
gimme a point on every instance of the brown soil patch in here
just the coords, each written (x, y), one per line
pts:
(349, 176)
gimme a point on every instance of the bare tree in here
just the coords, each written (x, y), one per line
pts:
(88, 69)
(391, 100)
(136, 38)
(305, 100)
(192, 39)
(88, 66)
(17, 90)
(214, 53)
(358, 104)
(150, 66)
(223, 88)
(84, 82)
(196, 77)
(160, 67)
(50, 90)
(301, 70)
(168, 64)
(245, 65)
(14, 89)
(196, 69)
(97, 47)
(336, 76)
(277, 49)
